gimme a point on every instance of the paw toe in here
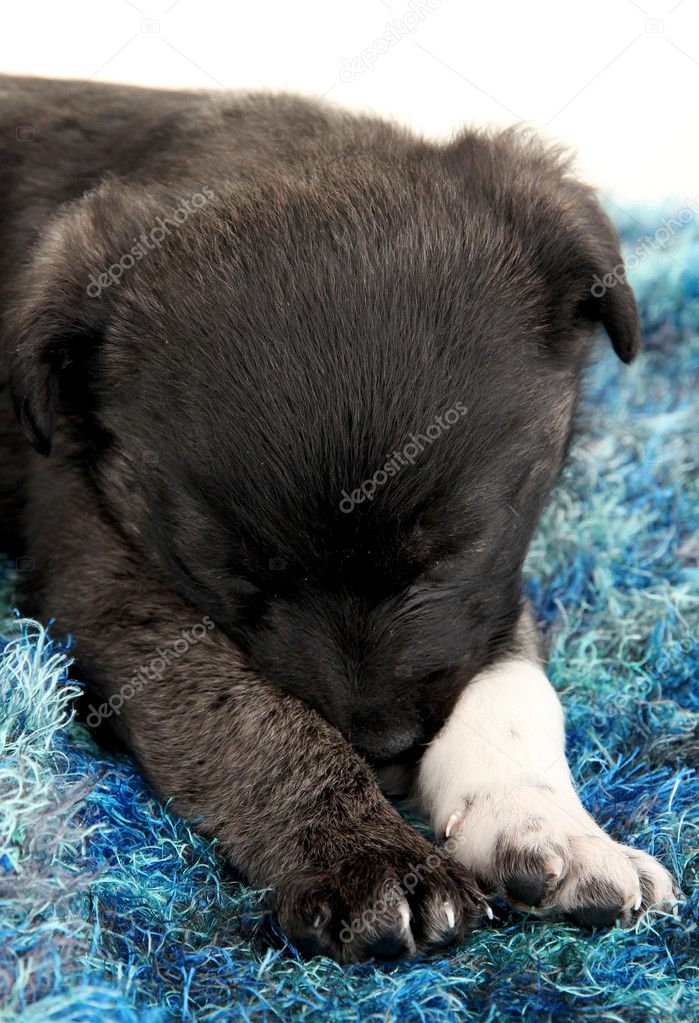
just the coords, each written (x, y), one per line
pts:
(601, 915)
(526, 889)
(597, 903)
(529, 876)
(440, 924)
(659, 891)
(390, 944)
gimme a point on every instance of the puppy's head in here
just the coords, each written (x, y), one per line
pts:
(330, 412)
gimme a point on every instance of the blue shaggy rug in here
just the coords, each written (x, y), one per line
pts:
(112, 910)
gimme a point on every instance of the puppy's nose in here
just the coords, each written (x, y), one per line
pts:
(381, 744)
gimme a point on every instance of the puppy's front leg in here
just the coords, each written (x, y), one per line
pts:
(496, 781)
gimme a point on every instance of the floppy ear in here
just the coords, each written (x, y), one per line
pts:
(561, 227)
(57, 313)
(608, 298)
(51, 320)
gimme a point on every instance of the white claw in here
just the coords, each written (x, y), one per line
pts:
(454, 819)
(449, 913)
(639, 900)
(488, 911)
(554, 867)
(404, 911)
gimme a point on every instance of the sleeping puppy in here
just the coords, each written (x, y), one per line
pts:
(298, 384)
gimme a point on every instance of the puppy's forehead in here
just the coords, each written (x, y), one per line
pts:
(339, 372)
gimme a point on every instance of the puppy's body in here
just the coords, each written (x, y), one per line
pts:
(229, 412)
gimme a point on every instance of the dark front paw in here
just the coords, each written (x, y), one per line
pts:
(390, 901)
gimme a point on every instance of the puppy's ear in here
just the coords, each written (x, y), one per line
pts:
(57, 311)
(51, 322)
(595, 264)
(559, 227)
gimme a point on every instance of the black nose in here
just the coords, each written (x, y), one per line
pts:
(380, 744)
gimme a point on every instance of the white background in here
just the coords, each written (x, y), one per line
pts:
(615, 79)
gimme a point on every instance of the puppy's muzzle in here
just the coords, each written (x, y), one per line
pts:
(383, 744)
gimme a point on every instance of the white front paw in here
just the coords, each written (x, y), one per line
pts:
(543, 852)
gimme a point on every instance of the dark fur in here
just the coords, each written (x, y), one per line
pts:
(347, 284)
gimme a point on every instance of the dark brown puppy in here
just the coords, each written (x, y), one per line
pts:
(305, 381)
